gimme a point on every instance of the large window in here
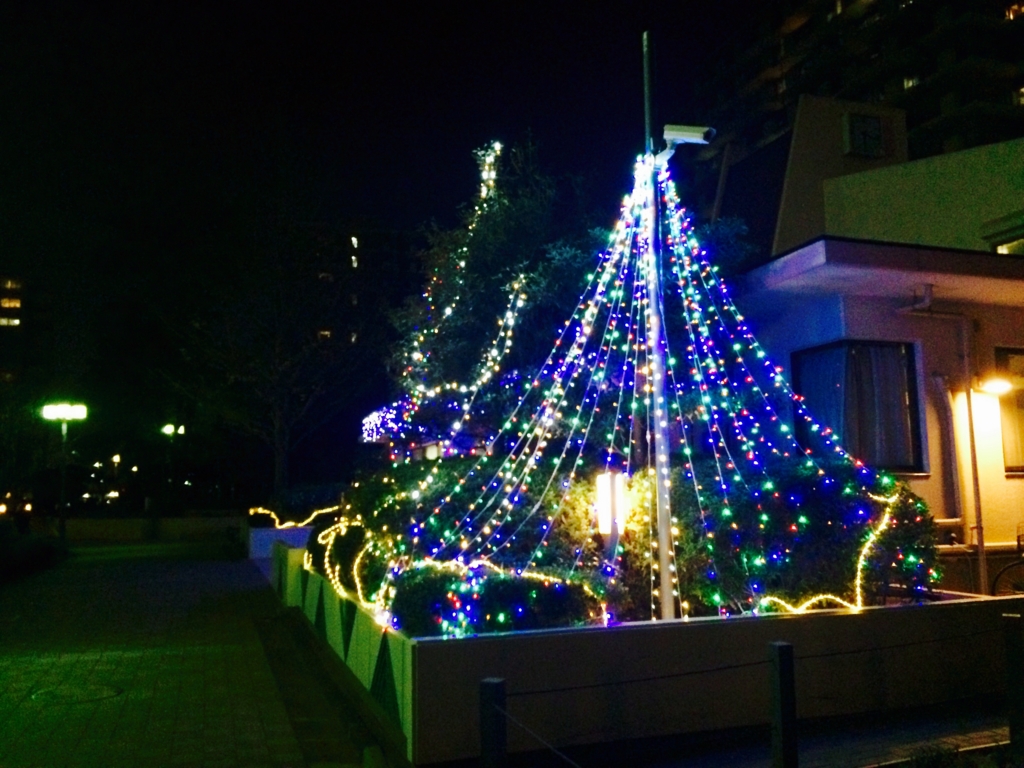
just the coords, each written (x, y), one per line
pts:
(866, 392)
(1011, 408)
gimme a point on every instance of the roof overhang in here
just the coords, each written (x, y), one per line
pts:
(865, 268)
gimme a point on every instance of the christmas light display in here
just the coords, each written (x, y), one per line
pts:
(648, 468)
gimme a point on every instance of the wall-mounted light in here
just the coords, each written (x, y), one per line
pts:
(996, 386)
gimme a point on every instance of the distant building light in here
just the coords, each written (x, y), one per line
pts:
(167, 429)
(181, 430)
(1015, 11)
(8, 303)
(324, 333)
(10, 321)
(353, 337)
(911, 82)
(12, 285)
(355, 261)
(135, 469)
(355, 242)
(116, 458)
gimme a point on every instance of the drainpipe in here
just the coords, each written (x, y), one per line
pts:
(922, 308)
(946, 409)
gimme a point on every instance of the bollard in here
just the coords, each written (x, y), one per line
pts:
(493, 728)
(784, 744)
(1013, 625)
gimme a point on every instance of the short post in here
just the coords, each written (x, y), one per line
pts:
(493, 728)
(784, 744)
(1013, 632)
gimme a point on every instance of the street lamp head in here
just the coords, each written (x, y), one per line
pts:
(64, 412)
(167, 429)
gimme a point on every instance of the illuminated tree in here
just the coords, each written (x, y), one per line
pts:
(654, 384)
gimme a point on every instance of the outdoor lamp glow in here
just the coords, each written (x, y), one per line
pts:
(612, 509)
(64, 412)
(167, 429)
(996, 386)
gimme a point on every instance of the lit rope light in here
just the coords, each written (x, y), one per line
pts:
(858, 602)
(290, 523)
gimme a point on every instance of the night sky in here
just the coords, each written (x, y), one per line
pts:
(141, 142)
(143, 117)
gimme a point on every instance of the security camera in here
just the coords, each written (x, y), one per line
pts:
(688, 134)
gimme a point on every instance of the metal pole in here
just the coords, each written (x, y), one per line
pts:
(656, 350)
(1012, 632)
(648, 93)
(62, 517)
(983, 587)
(493, 728)
(784, 743)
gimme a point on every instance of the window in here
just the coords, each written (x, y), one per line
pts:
(12, 285)
(911, 82)
(8, 303)
(1011, 408)
(867, 393)
(10, 321)
(324, 334)
(1014, 11)
(862, 136)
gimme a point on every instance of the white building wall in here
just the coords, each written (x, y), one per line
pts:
(792, 322)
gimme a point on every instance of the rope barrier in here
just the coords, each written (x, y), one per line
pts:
(537, 737)
(729, 667)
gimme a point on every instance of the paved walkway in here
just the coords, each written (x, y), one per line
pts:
(164, 655)
(161, 656)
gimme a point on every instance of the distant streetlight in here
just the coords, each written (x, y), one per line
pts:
(171, 430)
(64, 412)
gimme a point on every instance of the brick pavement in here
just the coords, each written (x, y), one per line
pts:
(160, 661)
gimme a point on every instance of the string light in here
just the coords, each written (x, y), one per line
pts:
(506, 507)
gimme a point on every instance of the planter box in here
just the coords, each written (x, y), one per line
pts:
(261, 540)
(593, 685)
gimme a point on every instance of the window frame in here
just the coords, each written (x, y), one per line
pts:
(914, 409)
(1001, 356)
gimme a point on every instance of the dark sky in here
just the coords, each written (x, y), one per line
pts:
(142, 145)
(136, 125)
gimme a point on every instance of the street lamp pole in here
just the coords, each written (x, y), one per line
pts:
(64, 412)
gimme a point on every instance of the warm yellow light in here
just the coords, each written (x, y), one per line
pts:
(3, 509)
(64, 412)
(611, 502)
(996, 386)
(116, 458)
(167, 429)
